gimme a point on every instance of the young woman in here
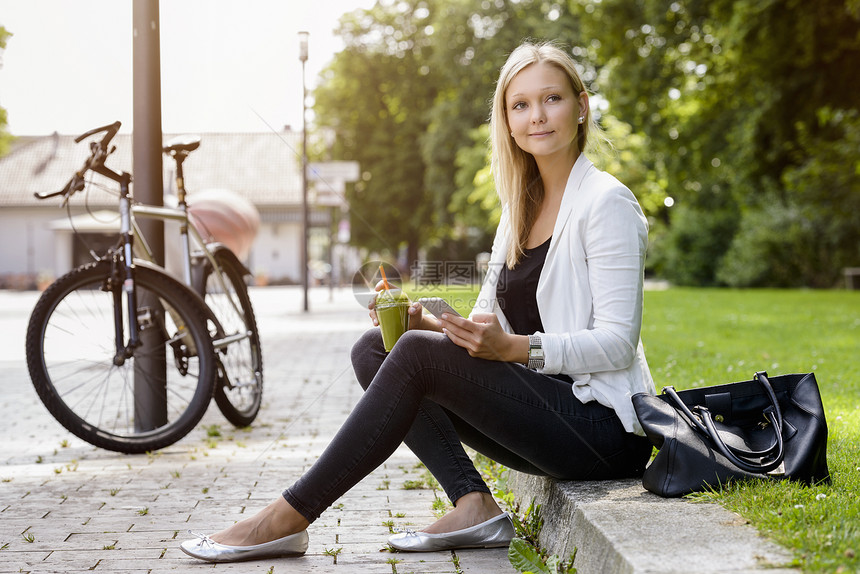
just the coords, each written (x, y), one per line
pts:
(538, 378)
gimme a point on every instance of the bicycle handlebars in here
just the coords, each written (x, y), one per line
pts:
(111, 130)
(95, 162)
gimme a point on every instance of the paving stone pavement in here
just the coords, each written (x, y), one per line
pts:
(66, 506)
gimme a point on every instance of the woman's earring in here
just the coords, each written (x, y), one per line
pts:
(581, 119)
(512, 134)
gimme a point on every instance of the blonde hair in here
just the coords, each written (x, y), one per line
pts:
(515, 171)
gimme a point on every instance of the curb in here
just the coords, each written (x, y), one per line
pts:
(618, 527)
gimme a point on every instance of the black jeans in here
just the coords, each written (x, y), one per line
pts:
(430, 394)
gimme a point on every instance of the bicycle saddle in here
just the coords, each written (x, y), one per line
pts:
(182, 144)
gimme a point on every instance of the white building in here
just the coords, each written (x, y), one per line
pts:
(36, 237)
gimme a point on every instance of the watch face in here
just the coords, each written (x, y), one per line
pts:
(536, 353)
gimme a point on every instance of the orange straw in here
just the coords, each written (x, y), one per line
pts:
(384, 279)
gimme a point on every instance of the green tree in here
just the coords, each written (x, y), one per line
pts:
(404, 98)
(729, 94)
(717, 105)
(474, 203)
(799, 148)
(5, 136)
(473, 40)
(375, 96)
(805, 237)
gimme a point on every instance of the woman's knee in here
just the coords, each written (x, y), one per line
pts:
(413, 351)
(416, 345)
(367, 355)
(417, 350)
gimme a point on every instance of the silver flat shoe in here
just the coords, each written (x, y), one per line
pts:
(493, 533)
(205, 548)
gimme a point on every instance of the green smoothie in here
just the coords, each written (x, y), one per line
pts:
(392, 313)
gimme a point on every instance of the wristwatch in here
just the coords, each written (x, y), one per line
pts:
(535, 353)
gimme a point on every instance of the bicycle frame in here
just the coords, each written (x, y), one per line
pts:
(129, 228)
(180, 214)
(170, 214)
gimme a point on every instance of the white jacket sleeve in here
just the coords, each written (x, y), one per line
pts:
(610, 239)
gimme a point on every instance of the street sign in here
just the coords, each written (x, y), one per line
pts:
(329, 193)
(334, 170)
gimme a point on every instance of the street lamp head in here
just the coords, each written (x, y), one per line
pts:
(303, 46)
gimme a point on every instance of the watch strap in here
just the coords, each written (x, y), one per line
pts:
(536, 360)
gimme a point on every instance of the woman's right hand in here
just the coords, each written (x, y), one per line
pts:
(483, 337)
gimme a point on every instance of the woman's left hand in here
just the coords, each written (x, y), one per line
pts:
(417, 320)
(482, 336)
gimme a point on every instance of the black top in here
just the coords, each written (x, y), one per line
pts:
(516, 291)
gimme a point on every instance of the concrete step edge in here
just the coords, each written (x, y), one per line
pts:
(618, 527)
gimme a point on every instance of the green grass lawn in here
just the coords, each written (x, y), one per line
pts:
(703, 337)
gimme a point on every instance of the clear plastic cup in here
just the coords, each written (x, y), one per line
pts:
(392, 312)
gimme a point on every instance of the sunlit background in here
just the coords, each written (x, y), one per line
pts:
(226, 65)
(736, 123)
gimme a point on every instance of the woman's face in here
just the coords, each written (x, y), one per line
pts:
(543, 112)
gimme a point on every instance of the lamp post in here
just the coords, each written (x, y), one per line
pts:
(150, 370)
(303, 57)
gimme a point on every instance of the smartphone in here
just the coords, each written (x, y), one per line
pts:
(437, 306)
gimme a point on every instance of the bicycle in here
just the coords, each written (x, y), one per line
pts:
(93, 395)
(119, 352)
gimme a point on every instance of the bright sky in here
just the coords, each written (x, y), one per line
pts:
(226, 65)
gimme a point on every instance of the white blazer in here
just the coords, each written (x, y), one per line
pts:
(590, 291)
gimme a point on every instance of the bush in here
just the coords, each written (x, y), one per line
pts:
(769, 249)
(783, 244)
(691, 250)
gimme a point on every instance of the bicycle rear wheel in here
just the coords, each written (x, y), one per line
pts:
(71, 348)
(239, 387)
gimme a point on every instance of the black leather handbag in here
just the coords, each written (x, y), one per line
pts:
(766, 427)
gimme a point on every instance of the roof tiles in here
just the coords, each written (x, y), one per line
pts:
(263, 167)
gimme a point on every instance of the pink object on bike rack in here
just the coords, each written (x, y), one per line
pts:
(226, 217)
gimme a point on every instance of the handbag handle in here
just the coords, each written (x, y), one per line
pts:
(696, 421)
(704, 423)
(742, 464)
(761, 377)
(691, 418)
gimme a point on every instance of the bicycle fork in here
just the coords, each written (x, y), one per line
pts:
(125, 351)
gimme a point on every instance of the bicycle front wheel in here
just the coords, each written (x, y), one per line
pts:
(141, 403)
(239, 387)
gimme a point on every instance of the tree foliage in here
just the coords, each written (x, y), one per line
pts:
(405, 98)
(740, 112)
(731, 94)
(376, 95)
(5, 137)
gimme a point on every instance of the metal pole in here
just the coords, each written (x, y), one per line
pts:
(332, 231)
(150, 369)
(303, 56)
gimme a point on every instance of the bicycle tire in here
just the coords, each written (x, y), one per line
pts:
(239, 385)
(71, 344)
